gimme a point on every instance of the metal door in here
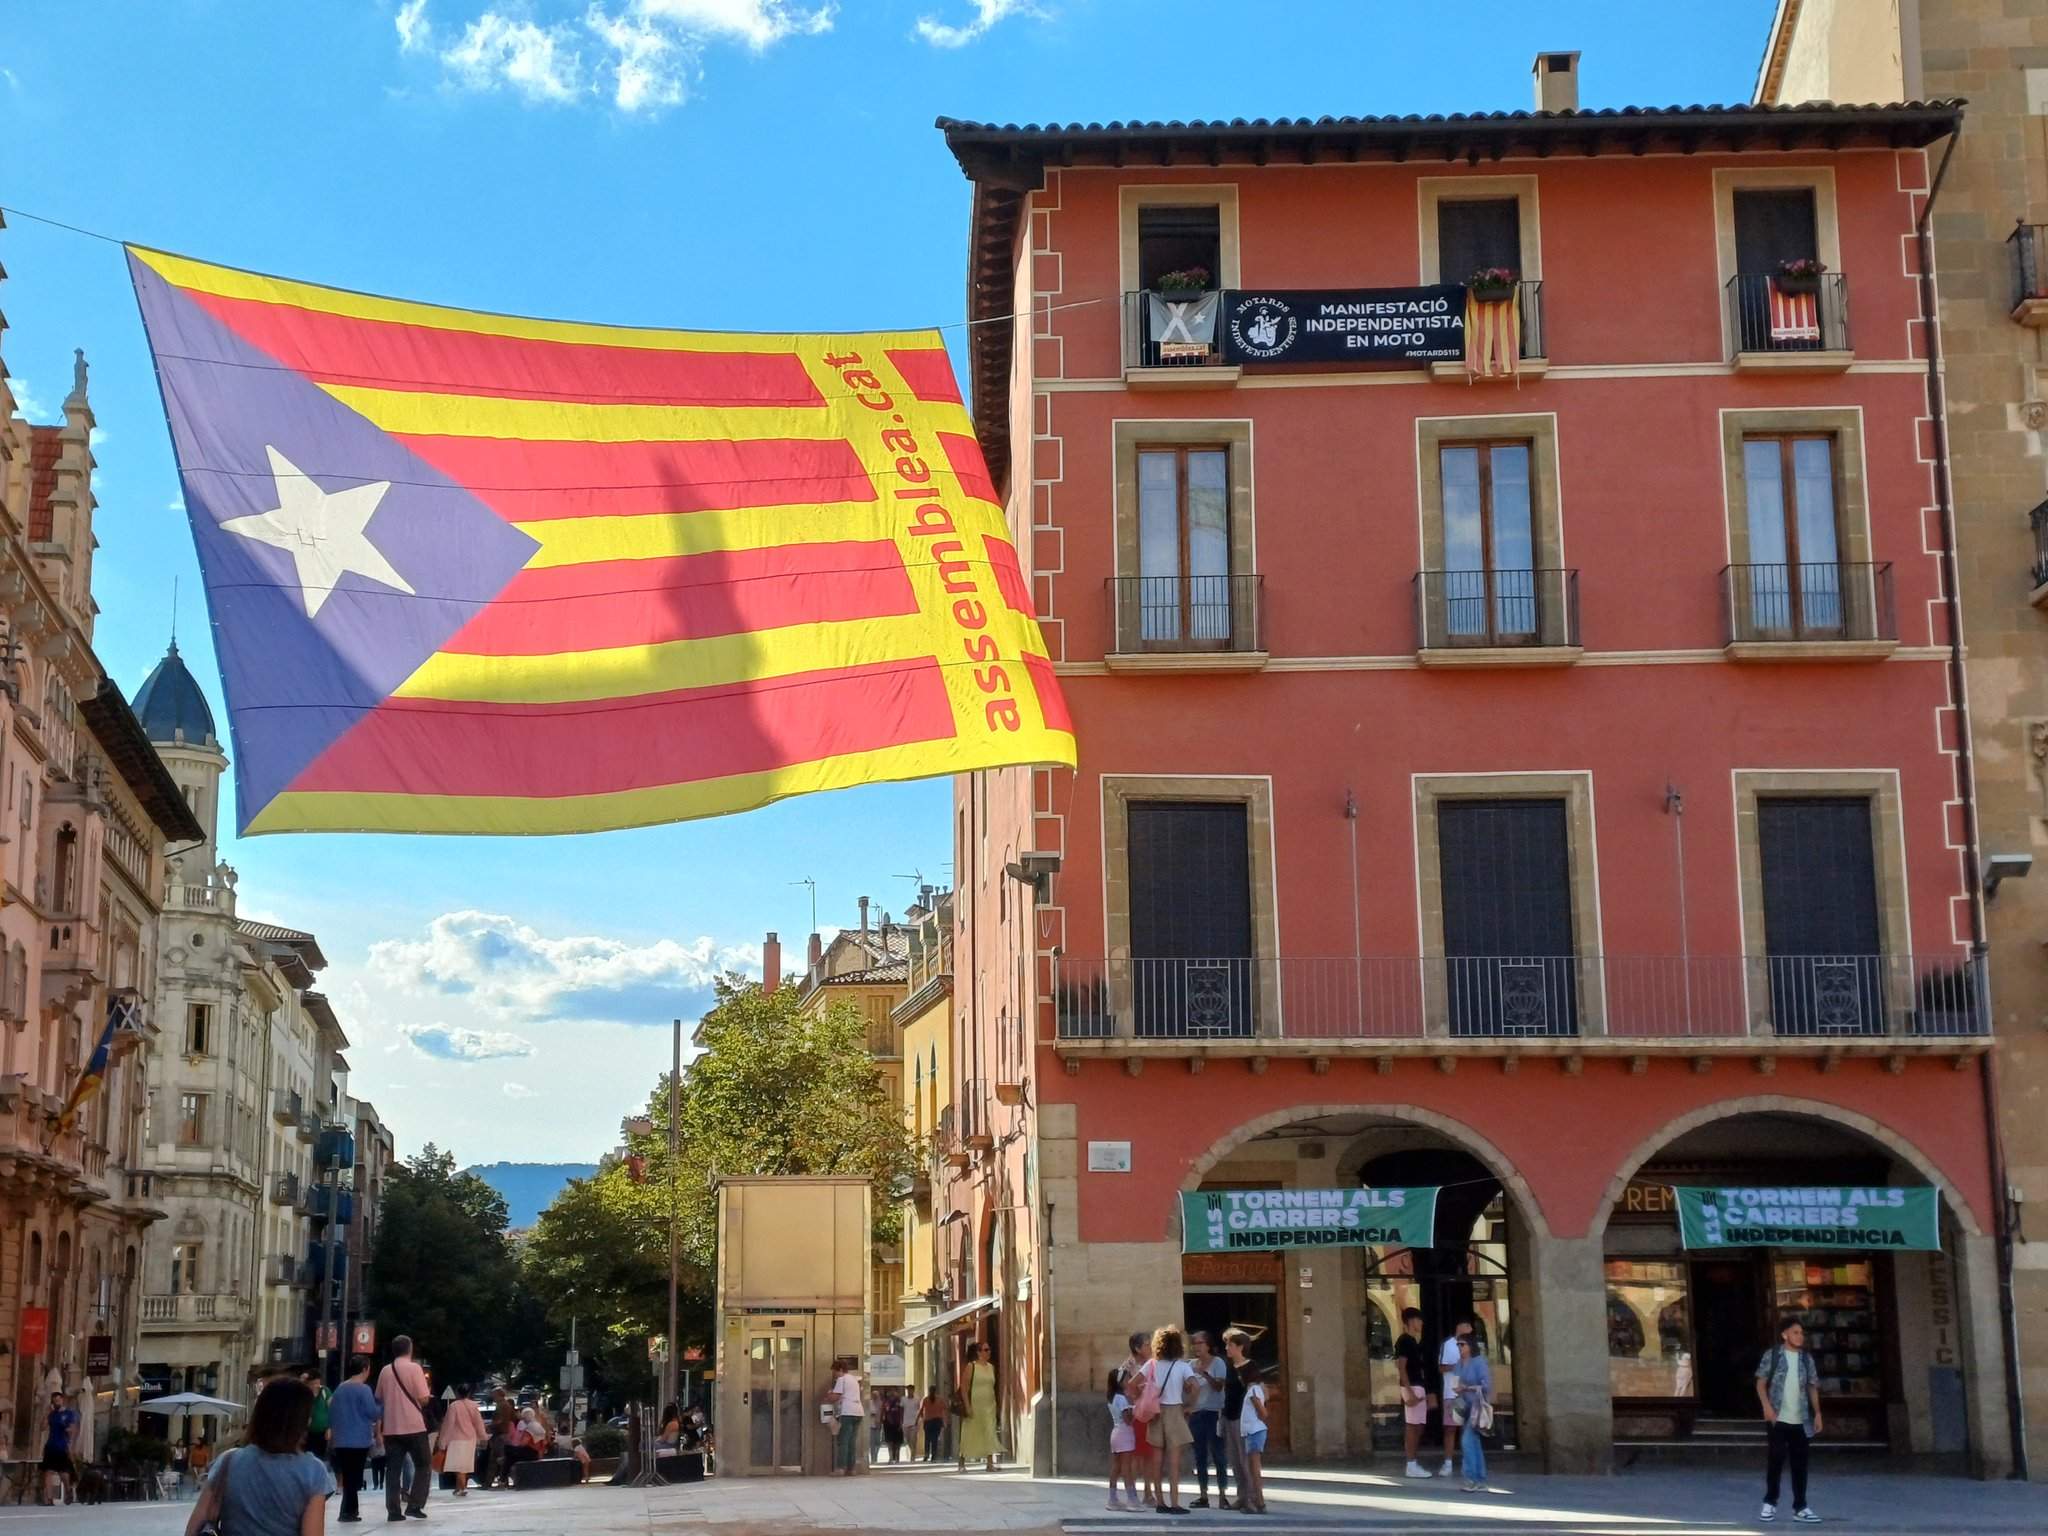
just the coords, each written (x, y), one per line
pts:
(775, 1401)
(1191, 918)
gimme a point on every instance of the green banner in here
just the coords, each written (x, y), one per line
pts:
(1253, 1220)
(1809, 1216)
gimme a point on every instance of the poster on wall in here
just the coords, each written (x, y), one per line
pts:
(1809, 1216)
(1345, 325)
(1259, 1220)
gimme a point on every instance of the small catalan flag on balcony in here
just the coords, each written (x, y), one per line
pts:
(123, 1029)
(475, 573)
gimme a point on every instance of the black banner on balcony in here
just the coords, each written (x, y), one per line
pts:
(1344, 325)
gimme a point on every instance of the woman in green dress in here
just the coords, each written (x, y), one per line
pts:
(976, 1434)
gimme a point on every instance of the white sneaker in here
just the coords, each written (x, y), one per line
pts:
(1768, 1512)
(1445, 1469)
(1802, 1513)
(1416, 1469)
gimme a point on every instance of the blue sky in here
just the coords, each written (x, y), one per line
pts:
(742, 164)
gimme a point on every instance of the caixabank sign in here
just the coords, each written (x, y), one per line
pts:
(1344, 325)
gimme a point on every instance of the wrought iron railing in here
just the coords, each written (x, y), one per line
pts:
(1493, 608)
(284, 1189)
(285, 1106)
(1182, 614)
(1174, 332)
(2028, 244)
(1827, 600)
(1635, 997)
(1776, 314)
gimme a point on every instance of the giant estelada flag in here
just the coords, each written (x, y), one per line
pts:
(474, 573)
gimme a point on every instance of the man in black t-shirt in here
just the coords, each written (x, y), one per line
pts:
(1413, 1378)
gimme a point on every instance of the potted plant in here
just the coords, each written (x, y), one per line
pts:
(1186, 283)
(1801, 276)
(1489, 285)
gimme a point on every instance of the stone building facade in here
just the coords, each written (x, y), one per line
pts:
(88, 812)
(1989, 231)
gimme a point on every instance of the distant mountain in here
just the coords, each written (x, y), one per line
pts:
(530, 1188)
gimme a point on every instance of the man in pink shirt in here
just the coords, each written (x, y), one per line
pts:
(403, 1391)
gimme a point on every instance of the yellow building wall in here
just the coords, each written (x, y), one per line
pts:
(927, 1075)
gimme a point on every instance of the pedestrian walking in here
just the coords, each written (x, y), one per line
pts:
(1448, 1361)
(931, 1419)
(1475, 1400)
(1123, 1445)
(1788, 1386)
(403, 1393)
(462, 1431)
(197, 1460)
(352, 1432)
(1414, 1387)
(1251, 1424)
(1237, 1346)
(891, 1415)
(378, 1457)
(1203, 1420)
(58, 1472)
(268, 1485)
(1139, 1353)
(1170, 1385)
(975, 1438)
(323, 1400)
(845, 1396)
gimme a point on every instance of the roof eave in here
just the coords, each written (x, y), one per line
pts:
(115, 726)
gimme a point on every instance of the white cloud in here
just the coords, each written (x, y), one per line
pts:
(757, 23)
(95, 437)
(508, 970)
(27, 404)
(538, 63)
(448, 1042)
(642, 56)
(519, 1091)
(415, 32)
(986, 14)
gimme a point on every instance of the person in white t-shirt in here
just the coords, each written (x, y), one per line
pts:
(845, 1397)
(1454, 1415)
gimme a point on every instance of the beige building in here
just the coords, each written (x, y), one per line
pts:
(924, 1023)
(1989, 228)
(88, 811)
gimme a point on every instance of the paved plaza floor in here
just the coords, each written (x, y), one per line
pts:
(1307, 1502)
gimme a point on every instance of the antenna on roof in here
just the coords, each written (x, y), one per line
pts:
(174, 613)
(807, 880)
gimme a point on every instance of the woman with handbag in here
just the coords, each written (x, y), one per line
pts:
(1475, 1395)
(462, 1431)
(268, 1485)
(1169, 1385)
(975, 1402)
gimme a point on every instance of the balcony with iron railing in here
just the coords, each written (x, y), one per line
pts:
(1175, 340)
(1497, 617)
(280, 1269)
(1185, 623)
(2028, 246)
(285, 1106)
(1313, 1004)
(1784, 324)
(1817, 611)
(284, 1189)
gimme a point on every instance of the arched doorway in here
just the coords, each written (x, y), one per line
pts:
(1888, 1328)
(1324, 1319)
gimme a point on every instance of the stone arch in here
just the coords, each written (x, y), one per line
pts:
(1456, 1131)
(1783, 1104)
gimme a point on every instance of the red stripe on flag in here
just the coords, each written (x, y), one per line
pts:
(386, 354)
(568, 608)
(435, 747)
(1002, 559)
(964, 454)
(1051, 702)
(929, 373)
(535, 481)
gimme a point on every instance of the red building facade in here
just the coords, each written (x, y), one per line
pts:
(1539, 782)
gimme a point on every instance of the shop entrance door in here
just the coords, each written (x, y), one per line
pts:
(1244, 1291)
(775, 1402)
(1728, 1336)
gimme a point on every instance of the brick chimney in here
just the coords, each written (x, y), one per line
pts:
(1557, 82)
(814, 955)
(771, 963)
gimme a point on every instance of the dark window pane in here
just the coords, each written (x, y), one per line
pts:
(1175, 239)
(1483, 233)
(1774, 227)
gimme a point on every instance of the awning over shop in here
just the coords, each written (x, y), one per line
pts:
(917, 1330)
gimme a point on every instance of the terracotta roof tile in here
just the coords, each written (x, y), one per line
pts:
(45, 448)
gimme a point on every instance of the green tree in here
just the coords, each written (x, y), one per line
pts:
(441, 1269)
(779, 1089)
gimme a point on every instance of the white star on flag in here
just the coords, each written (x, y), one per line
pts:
(321, 530)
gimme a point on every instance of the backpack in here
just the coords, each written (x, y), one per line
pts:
(1146, 1409)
